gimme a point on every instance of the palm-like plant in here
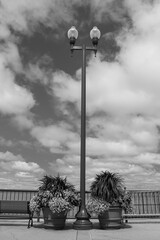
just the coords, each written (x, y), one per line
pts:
(55, 184)
(107, 186)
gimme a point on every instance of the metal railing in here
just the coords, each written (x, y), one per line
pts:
(145, 202)
(14, 194)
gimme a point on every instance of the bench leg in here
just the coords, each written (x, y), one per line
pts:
(125, 220)
(30, 222)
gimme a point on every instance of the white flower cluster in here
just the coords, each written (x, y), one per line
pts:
(58, 205)
(97, 205)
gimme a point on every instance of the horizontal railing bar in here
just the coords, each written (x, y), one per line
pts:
(18, 190)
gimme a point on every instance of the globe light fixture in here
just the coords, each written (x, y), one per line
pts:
(72, 35)
(82, 217)
(95, 35)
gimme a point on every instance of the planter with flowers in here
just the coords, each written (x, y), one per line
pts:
(56, 197)
(108, 199)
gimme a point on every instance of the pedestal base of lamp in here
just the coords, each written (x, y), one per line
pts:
(82, 225)
(82, 222)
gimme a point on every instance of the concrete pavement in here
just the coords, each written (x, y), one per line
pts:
(17, 230)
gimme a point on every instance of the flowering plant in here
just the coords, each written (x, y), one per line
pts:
(58, 205)
(125, 201)
(97, 205)
(55, 193)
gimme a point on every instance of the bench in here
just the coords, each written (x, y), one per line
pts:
(16, 210)
(126, 217)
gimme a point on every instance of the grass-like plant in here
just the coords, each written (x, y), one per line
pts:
(55, 184)
(107, 186)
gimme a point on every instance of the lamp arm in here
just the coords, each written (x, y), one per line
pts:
(94, 49)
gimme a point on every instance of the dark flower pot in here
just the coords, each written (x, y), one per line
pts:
(54, 220)
(111, 218)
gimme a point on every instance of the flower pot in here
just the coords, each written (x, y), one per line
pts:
(54, 220)
(111, 218)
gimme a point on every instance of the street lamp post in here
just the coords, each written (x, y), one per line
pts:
(82, 217)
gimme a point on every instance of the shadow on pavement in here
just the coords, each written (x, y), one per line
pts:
(96, 226)
(68, 226)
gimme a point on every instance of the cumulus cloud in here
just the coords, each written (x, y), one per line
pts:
(18, 171)
(67, 166)
(63, 85)
(23, 175)
(8, 156)
(5, 142)
(17, 162)
(140, 49)
(24, 166)
(35, 73)
(105, 10)
(14, 98)
(55, 137)
(23, 121)
(4, 32)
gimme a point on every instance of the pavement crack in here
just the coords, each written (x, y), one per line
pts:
(13, 237)
(90, 235)
(77, 235)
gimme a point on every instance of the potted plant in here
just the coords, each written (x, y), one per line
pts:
(108, 198)
(55, 197)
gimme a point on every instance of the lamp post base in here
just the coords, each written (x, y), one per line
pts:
(82, 222)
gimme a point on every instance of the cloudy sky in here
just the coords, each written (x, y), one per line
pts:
(40, 91)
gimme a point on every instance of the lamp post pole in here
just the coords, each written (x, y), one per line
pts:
(83, 128)
(82, 217)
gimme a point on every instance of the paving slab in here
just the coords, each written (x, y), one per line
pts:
(84, 235)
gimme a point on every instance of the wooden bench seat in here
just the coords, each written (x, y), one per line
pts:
(16, 210)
